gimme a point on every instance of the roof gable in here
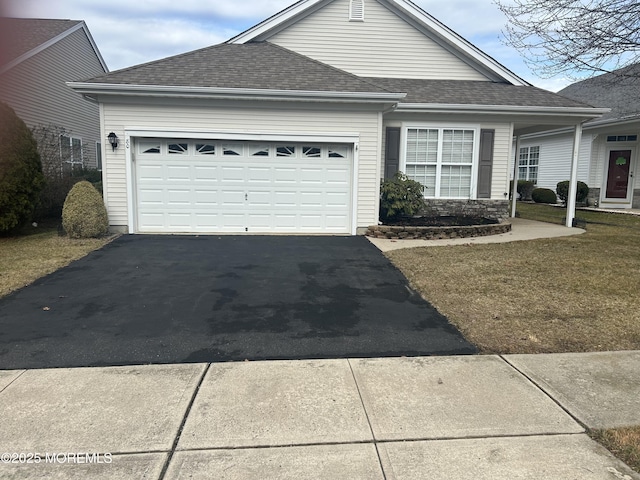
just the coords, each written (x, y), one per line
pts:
(406, 11)
(22, 38)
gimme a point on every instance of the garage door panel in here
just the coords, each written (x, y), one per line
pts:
(244, 187)
(206, 198)
(205, 173)
(151, 197)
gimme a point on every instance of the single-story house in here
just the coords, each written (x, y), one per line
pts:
(609, 147)
(37, 58)
(290, 126)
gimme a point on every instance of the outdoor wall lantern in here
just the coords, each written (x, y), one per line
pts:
(113, 140)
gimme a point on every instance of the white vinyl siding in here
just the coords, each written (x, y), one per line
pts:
(556, 152)
(36, 89)
(232, 118)
(383, 45)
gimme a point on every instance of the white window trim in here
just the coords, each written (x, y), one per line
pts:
(473, 194)
(528, 166)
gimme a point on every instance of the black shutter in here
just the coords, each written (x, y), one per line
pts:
(485, 166)
(392, 152)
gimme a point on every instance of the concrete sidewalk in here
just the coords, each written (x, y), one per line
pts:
(462, 417)
(521, 229)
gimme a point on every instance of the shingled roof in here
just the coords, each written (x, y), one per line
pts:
(21, 35)
(619, 91)
(467, 92)
(259, 65)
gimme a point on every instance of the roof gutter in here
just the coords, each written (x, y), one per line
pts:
(92, 89)
(501, 109)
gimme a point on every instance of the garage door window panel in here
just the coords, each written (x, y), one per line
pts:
(286, 151)
(152, 147)
(232, 150)
(259, 151)
(205, 149)
(178, 148)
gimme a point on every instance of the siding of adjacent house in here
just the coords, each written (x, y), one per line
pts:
(36, 90)
(555, 159)
(384, 45)
(236, 118)
(500, 172)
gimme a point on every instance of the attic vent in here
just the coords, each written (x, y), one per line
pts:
(356, 11)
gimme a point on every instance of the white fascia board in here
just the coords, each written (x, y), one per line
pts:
(249, 135)
(501, 109)
(232, 93)
(53, 41)
(273, 21)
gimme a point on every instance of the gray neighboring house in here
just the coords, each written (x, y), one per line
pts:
(609, 158)
(290, 126)
(37, 57)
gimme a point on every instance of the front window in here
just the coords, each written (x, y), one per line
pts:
(528, 164)
(442, 160)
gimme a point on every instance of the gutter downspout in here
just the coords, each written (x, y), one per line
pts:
(514, 188)
(573, 181)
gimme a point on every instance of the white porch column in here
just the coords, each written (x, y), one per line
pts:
(573, 180)
(514, 188)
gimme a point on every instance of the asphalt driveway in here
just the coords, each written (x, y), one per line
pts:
(175, 299)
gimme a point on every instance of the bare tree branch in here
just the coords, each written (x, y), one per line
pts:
(569, 36)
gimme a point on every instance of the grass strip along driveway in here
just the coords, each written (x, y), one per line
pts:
(36, 252)
(569, 294)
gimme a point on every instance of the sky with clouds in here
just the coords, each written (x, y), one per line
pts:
(129, 32)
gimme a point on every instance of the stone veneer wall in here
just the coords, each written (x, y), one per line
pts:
(497, 210)
(436, 233)
(593, 199)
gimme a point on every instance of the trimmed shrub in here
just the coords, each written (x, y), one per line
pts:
(400, 196)
(84, 214)
(544, 195)
(21, 176)
(525, 188)
(582, 192)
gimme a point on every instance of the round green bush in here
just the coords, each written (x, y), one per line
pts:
(84, 214)
(21, 177)
(582, 192)
(544, 195)
(400, 196)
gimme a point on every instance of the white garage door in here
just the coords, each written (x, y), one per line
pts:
(200, 186)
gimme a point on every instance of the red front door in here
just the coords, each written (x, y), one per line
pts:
(618, 173)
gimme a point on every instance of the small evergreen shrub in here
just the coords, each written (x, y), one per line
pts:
(525, 188)
(21, 176)
(582, 192)
(400, 196)
(84, 214)
(544, 195)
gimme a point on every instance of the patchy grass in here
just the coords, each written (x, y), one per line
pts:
(569, 294)
(37, 252)
(624, 443)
